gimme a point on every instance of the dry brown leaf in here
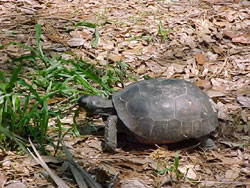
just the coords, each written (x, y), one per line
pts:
(28, 11)
(16, 185)
(141, 161)
(239, 37)
(3, 178)
(242, 38)
(230, 34)
(130, 165)
(231, 144)
(207, 38)
(179, 53)
(109, 169)
(133, 183)
(155, 67)
(211, 56)
(125, 25)
(81, 34)
(226, 160)
(28, 161)
(141, 69)
(200, 58)
(219, 23)
(13, 48)
(178, 68)
(160, 153)
(107, 45)
(217, 49)
(232, 174)
(245, 101)
(245, 116)
(97, 144)
(187, 40)
(75, 42)
(209, 184)
(115, 57)
(148, 50)
(204, 84)
(188, 171)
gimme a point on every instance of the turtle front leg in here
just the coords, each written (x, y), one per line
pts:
(110, 135)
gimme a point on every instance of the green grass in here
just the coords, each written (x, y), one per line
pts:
(173, 168)
(25, 107)
(163, 33)
(94, 42)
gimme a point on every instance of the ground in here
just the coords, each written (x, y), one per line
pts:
(206, 42)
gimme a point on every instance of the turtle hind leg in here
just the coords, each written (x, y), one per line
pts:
(207, 143)
(110, 135)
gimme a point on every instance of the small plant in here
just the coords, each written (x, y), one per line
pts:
(173, 168)
(163, 33)
(115, 73)
(96, 33)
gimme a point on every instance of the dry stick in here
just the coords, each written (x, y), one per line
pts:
(220, 70)
(39, 160)
(79, 173)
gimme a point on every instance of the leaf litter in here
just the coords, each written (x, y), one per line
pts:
(206, 42)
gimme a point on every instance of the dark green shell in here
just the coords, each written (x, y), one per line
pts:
(165, 110)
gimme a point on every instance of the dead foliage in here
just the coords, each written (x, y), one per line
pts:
(206, 42)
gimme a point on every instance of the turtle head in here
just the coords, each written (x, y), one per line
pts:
(96, 104)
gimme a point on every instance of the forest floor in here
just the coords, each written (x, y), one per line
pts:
(205, 42)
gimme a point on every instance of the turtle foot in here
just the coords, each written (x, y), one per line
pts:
(207, 143)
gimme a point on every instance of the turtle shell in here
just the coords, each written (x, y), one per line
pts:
(165, 110)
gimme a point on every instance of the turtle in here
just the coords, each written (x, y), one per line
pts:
(156, 111)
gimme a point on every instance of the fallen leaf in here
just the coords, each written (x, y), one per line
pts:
(81, 34)
(97, 144)
(209, 184)
(129, 165)
(238, 36)
(204, 84)
(115, 57)
(75, 42)
(231, 144)
(242, 38)
(207, 38)
(16, 185)
(109, 169)
(12, 48)
(187, 40)
(200, 58)
(141, 69)
(133, 183)
(218, 49)
(231, 174)
(245, 101)
(211, 56)
(29, 161)
(3, 179)
(226, 160)
(219, 23)
(188, 171)
(230, 34)
(178, 68)
(245, 116)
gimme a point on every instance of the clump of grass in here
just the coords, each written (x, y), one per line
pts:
(163, 33)
(173, 168)
(94, 42)
(25, 100)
